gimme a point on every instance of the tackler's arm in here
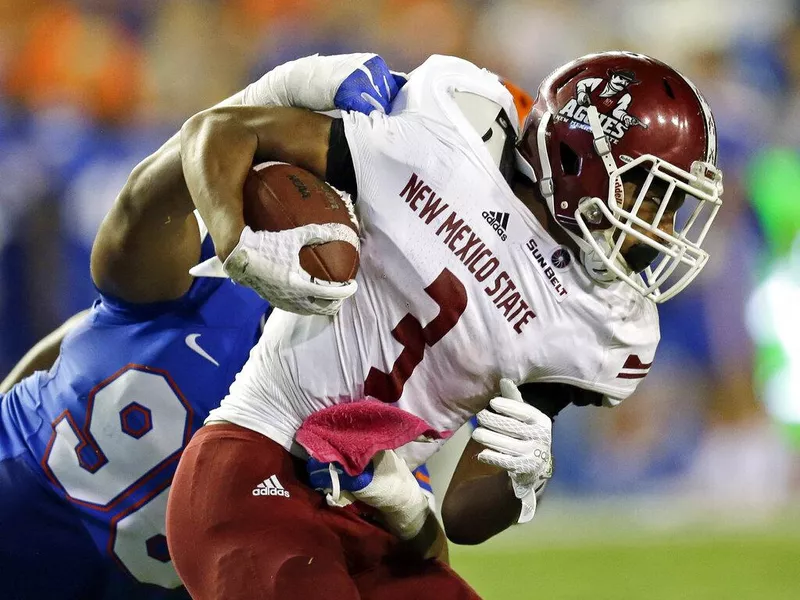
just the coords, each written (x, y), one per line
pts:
(43, 355)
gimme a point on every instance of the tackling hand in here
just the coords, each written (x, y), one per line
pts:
(330, 478)
(518, 438)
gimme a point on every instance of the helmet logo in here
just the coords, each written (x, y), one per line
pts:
(610, 96)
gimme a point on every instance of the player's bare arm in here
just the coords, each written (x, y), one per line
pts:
(481, 500)
(42, 356)
(149, 240)
(219, 146)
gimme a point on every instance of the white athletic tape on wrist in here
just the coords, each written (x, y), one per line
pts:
(394, 491)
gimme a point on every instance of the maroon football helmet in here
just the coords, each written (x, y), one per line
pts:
(603, 118)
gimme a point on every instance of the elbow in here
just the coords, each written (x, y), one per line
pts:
(213, 120)
(218, 132)
(208, 125)
(204, 122)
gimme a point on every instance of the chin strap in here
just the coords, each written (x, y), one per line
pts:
(594, 266)
(546, 184)
(601, 145)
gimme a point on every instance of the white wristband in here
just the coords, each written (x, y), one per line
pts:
(529, 497)
(309, 82)
(528, 507)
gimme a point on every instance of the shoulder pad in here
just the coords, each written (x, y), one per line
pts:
(457, 93)
(466, 100)
(630, 352)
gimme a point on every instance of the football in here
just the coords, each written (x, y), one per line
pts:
(279, 196)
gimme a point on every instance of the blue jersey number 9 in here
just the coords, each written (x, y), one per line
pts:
(136, 425)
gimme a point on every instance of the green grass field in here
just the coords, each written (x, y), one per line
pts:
(656, 547)
(687, 563)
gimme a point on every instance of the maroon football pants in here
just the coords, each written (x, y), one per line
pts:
(242, 523)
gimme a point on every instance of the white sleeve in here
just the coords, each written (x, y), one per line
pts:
(614, 359)
(308, 82)
(629, 354)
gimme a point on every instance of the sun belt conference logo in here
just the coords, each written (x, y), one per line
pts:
(560, 258)
(610, 96)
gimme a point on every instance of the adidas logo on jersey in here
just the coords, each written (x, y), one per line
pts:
(270, 487)
(498, 221)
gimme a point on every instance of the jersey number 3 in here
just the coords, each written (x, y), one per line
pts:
(112, 463)
(451, 297)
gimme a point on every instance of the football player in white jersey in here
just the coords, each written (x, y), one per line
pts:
(487, 263)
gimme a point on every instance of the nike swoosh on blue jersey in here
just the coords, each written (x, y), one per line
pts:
(191, 341)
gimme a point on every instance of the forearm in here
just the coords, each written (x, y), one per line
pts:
(479, 508)
(43, 355)
(219, 146)
(217, 151)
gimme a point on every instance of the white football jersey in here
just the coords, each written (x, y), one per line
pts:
(459, 286)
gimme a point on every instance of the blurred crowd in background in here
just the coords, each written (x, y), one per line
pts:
(90, 87)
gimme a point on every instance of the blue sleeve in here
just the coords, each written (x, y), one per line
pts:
(200, 290)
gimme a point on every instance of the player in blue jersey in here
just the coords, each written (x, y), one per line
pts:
(88, 449)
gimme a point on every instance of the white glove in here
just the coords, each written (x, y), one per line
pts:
(518, 438)
(269, 263)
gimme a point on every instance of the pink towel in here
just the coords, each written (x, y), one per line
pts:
(351, 434)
